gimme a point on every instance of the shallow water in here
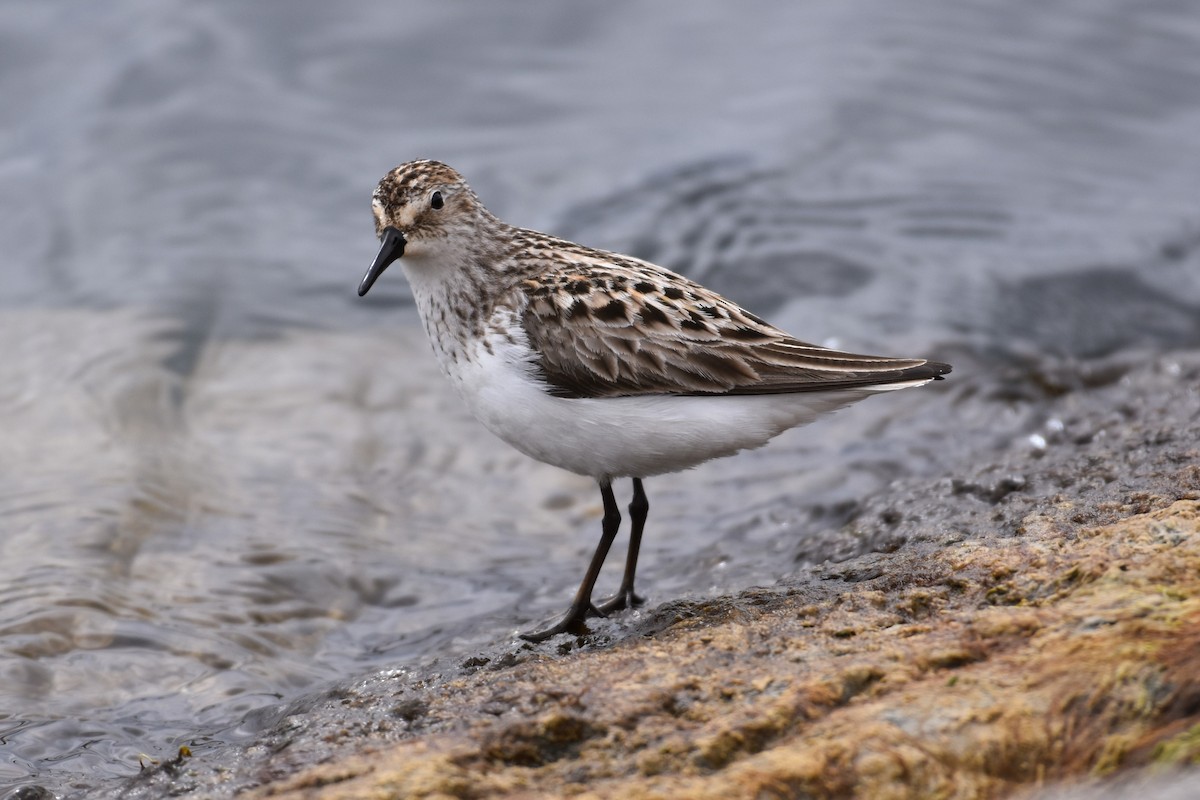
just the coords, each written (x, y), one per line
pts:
(224, 479)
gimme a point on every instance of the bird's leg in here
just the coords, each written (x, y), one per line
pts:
(639, 507)
(581, 606)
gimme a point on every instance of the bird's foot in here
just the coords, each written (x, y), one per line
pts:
(623, 599)
(572, 622)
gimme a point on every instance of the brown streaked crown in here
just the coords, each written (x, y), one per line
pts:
(402, 198)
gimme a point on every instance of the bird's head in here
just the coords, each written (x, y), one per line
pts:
(422, 209)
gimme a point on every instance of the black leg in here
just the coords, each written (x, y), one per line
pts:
(581, 606)
(639, 507)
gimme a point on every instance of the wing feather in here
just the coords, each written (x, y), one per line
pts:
(614, 326)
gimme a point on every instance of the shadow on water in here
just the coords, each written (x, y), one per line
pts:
(225, 480)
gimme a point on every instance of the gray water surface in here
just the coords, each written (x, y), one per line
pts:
(225, 479)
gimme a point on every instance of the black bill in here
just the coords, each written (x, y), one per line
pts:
(391, 247)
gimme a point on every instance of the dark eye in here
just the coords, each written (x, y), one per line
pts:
(436, 201)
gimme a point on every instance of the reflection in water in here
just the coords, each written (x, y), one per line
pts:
(225, 479)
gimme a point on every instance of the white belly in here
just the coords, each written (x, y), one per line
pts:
(609, 438)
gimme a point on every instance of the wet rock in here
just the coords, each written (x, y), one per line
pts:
(1095, 312)
(1033, 621)
(992, 493)
(973, 669)
(31, 793)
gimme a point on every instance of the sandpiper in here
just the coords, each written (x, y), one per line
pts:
(599, 363)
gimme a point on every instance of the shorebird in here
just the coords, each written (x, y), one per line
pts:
(602, 364)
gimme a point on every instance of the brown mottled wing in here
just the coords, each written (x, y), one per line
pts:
(613, 326)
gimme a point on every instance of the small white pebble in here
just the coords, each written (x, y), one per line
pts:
(1038, 441)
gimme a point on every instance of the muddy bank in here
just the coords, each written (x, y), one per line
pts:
(1037, 622)
(988, 666)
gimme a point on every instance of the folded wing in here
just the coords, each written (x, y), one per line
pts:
(641, 330)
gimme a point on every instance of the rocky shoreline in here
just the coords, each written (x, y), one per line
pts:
(1038, 626)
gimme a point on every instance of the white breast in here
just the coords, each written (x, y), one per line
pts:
(609, 438)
